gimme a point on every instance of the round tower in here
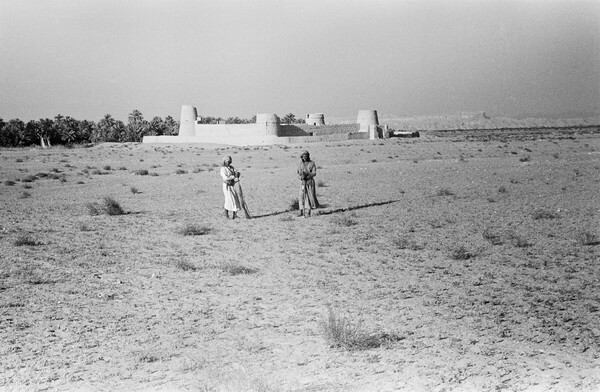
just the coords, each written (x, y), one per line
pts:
(187, 124)
(367, 118)
(270, 122)
(315, 119)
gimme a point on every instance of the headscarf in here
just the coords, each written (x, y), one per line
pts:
(226, 158)
(305, 154)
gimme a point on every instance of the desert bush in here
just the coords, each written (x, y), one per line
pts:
(517, 240)
(345, 220)
(445, 192)
(134, 190)
(493, 237)
(526, 158)
(141, 172)
(545, 214)
(180, 171)
(26, 240)
(193, 229)
(294, 204)
(27, 186)
(343, 332)
(185, 265)
(461, 253)
(587, 238)
(84, 227)
(9, 183)
(30, 178)
(235, 268)
(111, 207)
(106, 167)
(93, 208)
(502, 189)
(405, 243)
(321, 184)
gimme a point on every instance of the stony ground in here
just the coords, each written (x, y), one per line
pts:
(453, 262)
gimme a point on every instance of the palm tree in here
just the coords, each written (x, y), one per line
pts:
(289, 118)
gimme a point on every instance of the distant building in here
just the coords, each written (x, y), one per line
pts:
(268, 130)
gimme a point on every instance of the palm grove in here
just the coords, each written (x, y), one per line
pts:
(68, 131)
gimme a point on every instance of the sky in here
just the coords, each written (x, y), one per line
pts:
(228, 58)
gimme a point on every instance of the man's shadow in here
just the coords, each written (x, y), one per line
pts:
(323, 209)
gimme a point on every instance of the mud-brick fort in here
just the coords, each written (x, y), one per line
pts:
(269, 130)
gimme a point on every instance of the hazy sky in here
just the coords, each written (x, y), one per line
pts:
(86, 58)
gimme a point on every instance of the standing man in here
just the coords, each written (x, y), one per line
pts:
(230, 176)
(307, 172)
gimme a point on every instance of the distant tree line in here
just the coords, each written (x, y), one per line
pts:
(68, 131)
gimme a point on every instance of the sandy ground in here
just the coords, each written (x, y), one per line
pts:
(469, 259)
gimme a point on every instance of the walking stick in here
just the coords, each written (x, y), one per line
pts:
(242, 200)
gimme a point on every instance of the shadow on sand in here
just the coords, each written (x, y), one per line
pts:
(323, 211)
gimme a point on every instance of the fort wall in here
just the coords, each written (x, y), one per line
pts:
(268, 130)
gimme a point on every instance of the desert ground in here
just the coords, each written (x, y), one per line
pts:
(457, 261)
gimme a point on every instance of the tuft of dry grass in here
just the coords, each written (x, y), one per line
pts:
(194, 229)
(235, 268)
(461, 253)
(141, 172)
(346, 333)
(294, 204)
(445, 192)
(109, 206)
(545, 214)
(346, 220)
(185, 265)
(587, 238)
(492, 236)
(405, 243)
(517, 240)
(26, 240)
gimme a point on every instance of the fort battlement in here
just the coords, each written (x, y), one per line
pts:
(268, 130)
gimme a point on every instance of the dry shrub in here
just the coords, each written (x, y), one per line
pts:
(343, 332)
(294, 204)
(405, 243)
(587, 238)
(9, 183)
(517, 240)
(141, 172)
(26, 240)
(492, 236)
(445, 192)
(235, 268)
(185, 265)
(461, 253)
(109, 206)
(193, 229)
(345, 220)
(545, 214)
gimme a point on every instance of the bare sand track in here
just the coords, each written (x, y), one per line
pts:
(463, 261)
